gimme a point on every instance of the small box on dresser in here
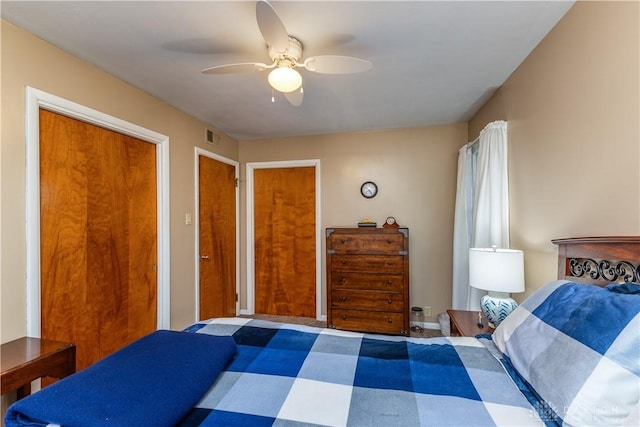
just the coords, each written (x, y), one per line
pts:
(368, 279)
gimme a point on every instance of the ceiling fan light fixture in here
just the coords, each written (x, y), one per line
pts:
(285, 79)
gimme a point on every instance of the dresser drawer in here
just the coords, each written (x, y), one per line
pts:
(368, 281)
(370, 243)
(368, 321)
(367, 300)
(368, 263)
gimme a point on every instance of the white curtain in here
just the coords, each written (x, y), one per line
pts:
(463, 224)
(482, 207)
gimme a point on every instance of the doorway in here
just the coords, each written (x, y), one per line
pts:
(283, 246)
(37, 100)
(217, 269)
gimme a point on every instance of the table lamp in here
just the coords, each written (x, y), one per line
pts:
(499, 271)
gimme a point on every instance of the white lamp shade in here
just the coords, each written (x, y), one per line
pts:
(496, 270)
(285, 79)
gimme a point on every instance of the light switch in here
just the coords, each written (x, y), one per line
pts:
(187, 219)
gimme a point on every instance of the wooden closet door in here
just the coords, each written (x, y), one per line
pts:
(217, 235)
(285, 241)
(98, 236)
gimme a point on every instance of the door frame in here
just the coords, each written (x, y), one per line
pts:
(250, 230)
(37, 99)
(236, 165)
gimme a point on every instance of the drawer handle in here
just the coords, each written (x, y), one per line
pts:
(343, 280)
(389, 301)
(344, 317)
(390, 320)
(343, 299)
(389, 262)
(343, 241)
(344, 261)
(389, 282)
(389, 241)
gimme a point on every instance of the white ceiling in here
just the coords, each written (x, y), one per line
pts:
(434, 62)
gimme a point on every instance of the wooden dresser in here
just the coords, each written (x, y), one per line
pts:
(368, 279)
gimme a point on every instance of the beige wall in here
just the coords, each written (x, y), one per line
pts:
(574, 140)
(29, 61)
(415, 170)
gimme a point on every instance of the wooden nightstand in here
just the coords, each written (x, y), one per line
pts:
(465, 323)
(27, 359)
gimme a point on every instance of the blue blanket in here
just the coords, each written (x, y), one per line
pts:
(152, 382)
(298, 375)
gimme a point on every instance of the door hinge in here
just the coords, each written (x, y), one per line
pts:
(237, 182)
(236, 297)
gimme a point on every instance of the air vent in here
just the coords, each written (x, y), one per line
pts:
(211, 137)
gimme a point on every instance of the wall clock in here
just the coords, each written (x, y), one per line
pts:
(369, 189)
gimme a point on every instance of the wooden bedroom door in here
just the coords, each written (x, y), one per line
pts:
(217, 236)
(285, 241)
(98, 236)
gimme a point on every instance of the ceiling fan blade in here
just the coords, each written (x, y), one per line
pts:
(244, 67)
(336, 64)
(271, 27)
(295, 97)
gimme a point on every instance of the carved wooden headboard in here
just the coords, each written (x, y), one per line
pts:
(599, 260)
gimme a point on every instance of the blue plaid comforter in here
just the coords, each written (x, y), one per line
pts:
(287, 374)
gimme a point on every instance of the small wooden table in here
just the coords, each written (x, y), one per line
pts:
(26, 359)
(465, 323)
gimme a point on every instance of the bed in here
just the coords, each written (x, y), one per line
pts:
(568, 355)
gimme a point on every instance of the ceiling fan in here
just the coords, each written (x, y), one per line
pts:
(285, 52)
